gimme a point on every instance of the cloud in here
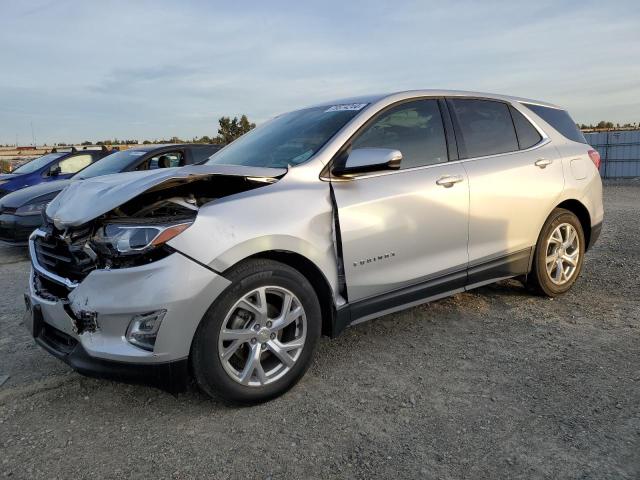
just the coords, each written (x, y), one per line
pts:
(148, 69)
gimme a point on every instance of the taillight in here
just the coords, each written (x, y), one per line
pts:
(595, 158)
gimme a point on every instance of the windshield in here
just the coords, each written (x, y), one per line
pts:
(114, 163)
(289, 139)
(37, 163)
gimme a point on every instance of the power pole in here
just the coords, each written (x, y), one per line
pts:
(33, 135)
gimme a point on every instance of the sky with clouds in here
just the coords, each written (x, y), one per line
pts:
(89, 70)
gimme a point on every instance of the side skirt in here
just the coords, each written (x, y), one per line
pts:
(480, 273)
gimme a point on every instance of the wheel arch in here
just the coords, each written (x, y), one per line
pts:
(580, 211)
(314, 274)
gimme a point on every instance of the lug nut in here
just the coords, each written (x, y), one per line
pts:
(264, 345)
(269, 324)
(273, 336)
(256, 327)
(253, 341)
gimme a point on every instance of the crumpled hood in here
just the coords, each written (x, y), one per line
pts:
(83, 201)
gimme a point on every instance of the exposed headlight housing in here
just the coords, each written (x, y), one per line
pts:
(125, 239)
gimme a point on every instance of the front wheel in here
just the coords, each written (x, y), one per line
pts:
(559, 254)
(258, 338)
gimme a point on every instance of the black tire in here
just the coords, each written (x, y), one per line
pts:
(206, 363)
(539, 281)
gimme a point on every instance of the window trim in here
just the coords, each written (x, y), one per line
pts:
(449, 136)
(325, 174)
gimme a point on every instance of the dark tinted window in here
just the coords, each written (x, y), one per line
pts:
(528, 136)
(560, 120)
(414, 128)
(486, 127)
(200, 154)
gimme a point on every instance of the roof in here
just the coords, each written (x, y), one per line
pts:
(435, 93)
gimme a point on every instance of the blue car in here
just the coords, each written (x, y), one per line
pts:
(57, 165)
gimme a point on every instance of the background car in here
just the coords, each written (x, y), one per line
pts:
(20, 212)
(57, 165)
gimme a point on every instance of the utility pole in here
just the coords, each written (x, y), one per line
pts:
(33, 135)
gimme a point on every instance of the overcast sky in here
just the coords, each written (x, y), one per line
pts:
(83, 70)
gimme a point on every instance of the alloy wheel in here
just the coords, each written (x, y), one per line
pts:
(562, 253)
(262, 336)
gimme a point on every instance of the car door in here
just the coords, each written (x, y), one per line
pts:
(515, 177)
(407, 228)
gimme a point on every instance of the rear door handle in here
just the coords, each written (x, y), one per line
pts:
(543, 162)
(449, 180)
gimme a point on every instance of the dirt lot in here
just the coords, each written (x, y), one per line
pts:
(489, 384)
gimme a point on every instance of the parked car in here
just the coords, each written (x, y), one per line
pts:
(57, 165)
(21, 211)
(319, 219)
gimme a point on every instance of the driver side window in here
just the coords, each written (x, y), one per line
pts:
(74, 164)
(415, 128)
(166, 160)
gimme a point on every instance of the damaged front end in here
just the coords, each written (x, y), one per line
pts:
(112, 223)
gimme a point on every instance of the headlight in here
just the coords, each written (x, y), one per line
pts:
(121, 239)
(32, 208)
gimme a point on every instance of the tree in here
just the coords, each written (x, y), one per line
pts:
(230, 129)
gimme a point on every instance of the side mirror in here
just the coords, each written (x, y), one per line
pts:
(363, 160)
(54, 171)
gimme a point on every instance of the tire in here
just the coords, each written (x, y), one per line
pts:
(255, 284)
(549, 248)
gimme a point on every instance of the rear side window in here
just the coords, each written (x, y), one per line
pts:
(415, 128)
(485, 125)
(560, 120)
(528, 136)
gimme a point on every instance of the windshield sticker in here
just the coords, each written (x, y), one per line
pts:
(346, 107)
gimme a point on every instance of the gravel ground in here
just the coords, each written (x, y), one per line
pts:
(494, 383)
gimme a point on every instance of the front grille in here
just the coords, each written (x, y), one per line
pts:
(64, 253)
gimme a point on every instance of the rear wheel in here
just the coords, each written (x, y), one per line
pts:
(559, 254)
(258, 338)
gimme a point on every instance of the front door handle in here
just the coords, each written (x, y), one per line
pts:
(543, 162)
(449, 180)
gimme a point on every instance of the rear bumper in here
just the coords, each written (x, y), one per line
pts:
(15, 229)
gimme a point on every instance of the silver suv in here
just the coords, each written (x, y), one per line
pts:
(322, 218)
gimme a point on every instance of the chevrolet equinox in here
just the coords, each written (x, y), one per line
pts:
(230, 271)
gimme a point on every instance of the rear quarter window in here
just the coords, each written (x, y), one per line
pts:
(560, 120)
(528, 136)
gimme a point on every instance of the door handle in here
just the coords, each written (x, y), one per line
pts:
(543, 162)
(449, 180)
